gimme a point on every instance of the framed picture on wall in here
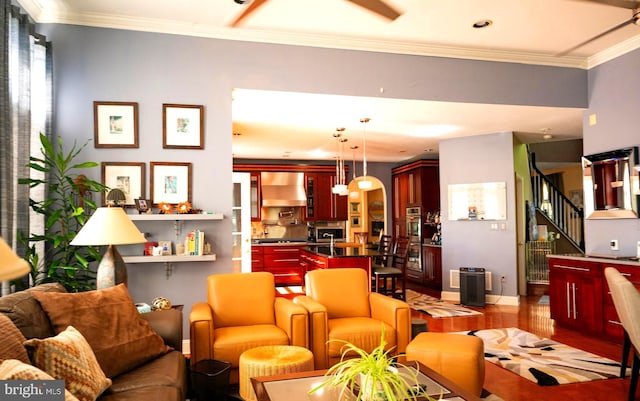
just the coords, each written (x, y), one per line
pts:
(182, 126)
(115, 124)
(355, 221)
(170, 182)
(127, 177)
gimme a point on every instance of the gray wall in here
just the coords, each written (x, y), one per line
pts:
(613, 98)
(112, 65)
(477, 159)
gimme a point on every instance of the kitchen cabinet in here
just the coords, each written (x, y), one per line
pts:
(432, 266)
(319, 257)
(281, 260)
(612, 326)
(414, 184)
(322, 203)
(255, 203)
(575, 292)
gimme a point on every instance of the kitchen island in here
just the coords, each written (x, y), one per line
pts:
(327, 257)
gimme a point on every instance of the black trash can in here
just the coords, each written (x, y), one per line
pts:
(210, 379)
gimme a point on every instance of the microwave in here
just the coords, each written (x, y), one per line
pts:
(337, 232)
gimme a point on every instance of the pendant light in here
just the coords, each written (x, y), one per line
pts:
(340, 187)
(354, 194)
(364, 183)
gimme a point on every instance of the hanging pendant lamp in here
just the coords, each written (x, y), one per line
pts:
(364, 182)
(340, 187)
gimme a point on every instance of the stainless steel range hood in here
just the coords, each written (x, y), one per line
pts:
(283, 189)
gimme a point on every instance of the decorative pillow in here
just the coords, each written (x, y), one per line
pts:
(109, 320)
(11, 346)
(69, 357)
(13, 369)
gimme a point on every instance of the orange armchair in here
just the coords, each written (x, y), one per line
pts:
(341, 307)
(243, 312)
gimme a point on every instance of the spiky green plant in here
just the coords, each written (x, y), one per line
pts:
(67, 205)
(379, 371)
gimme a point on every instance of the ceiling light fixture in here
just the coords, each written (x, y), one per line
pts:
(364, 183)
(483, 23)
(340, 187)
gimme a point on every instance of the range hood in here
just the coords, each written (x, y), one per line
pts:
(282, 189)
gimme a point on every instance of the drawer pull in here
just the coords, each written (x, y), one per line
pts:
(614, 322)
(582, 269)
(285, 260)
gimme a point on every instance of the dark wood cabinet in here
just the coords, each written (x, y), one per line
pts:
(322, 203)
(575, 292)
(612, 326)
(432, 266)
(281, 260)
(257, 259)
(255, 198)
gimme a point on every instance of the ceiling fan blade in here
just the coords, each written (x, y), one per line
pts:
(247, 11)
(630, 4)
(379, 7)
(608, 31)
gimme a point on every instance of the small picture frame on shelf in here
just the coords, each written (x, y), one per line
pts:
(166, 247)
(142, 205)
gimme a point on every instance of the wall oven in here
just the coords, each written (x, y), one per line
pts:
(323, 234)
(414, 232)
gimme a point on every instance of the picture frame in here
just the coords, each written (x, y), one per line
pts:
(170, 182)
(182, 126)
(142, 205)
(128, 177)
(355, 221)
(355, 207)
(115, 124)
(166, 247)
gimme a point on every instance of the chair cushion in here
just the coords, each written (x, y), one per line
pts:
(232, 341)
(69, 357)
(242, 299)
(344, 292)
(13, 369)
(25, 311)
(362, 332)
(12, 339)
(110, 322)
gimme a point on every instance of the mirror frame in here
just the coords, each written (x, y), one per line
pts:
(629, 184)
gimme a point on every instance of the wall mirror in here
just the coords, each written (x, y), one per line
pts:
(610, 181)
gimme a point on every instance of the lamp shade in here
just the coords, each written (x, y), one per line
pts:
(109, 226)
(11, 265)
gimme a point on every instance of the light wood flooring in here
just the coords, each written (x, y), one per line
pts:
(534, 318)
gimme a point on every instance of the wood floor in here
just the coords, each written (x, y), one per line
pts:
(534, 318)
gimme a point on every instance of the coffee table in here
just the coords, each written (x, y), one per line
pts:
(295, 386)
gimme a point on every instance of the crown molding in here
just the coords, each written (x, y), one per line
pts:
(57, 13)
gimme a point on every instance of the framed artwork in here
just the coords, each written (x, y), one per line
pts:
(355, 207)
(182, 126)
(142, 205)
(170, 182)
(128, 177)
(355, 221)
(115, 124)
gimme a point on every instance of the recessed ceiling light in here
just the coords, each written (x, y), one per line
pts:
(483, 23)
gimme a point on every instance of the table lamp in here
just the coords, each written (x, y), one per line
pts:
(109, 226)
(12, 266)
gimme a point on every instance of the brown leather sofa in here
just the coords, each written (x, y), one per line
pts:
(243, 312)
(161, 379)
(341, 307)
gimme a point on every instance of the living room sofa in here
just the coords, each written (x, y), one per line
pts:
(157, 377)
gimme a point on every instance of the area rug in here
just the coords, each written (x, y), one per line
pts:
(541, 360)
(436, 307)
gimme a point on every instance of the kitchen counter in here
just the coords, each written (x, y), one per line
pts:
(342, 252)
(619, 260)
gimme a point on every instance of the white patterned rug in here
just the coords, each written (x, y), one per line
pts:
(541, 360)
(436, 307)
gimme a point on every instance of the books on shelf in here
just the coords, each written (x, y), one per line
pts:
(194, 243)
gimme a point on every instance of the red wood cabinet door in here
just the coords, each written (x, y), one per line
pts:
(430, 190)
(256, 197)
(324, 197)
(400, 195)
(310, 181)
(612, 325)
(257, 259)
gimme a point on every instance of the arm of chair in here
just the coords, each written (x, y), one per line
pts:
(168, 324)
(395, 313)
(318, 330)
(293, 319)
(201, 333)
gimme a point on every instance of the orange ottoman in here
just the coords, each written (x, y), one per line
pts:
(457, 357)
(271, 360)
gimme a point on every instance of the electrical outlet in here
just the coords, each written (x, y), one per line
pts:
(613, 244)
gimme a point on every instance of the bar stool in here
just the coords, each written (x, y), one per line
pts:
(386, 279)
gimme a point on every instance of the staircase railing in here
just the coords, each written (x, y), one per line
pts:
(564, 214)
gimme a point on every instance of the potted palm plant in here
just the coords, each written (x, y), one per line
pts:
(374, 376)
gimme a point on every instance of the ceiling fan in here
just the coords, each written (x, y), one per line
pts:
(376, 6)
(635, 19)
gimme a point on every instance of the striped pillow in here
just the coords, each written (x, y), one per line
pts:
(69, 357)
(13, 369)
